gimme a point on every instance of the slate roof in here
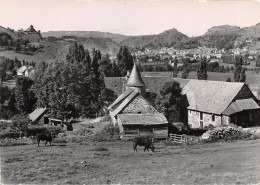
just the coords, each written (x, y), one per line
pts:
(135, 79)
(232, 109)
(211, 96)
(125, 102)
(142, 119)
(120, 98)
(240, 105)
(37, 113)
(247, 104)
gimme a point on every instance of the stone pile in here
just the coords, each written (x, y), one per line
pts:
(226, 133)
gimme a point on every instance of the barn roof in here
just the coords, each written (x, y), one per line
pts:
(211, 96)
(247, 104)
(135, 79)
(37, 113)
(240, 105)
(142, 119)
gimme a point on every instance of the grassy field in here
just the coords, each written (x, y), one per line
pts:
(115, 162)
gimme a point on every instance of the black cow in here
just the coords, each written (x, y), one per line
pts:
(143, 141)
(44, 137)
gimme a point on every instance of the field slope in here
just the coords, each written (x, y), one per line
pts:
(115, 162)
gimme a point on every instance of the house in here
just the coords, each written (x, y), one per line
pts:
(21, 71)
(220, 103)
(133, 113)
(29, 72)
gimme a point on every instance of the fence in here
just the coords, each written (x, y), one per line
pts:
(178, 138)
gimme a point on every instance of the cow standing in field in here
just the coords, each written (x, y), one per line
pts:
(44, 137)
(143, 141)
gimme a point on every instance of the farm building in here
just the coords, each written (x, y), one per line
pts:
(209, 102)
(220, 103)
(37, 116)
(132, 112)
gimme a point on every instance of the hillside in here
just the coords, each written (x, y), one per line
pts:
(5, 30)
(56, 51)
(222, 30)
(166, 38)
(22, 35)
(86, 34)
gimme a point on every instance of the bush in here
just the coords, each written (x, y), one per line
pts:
(108, 133)
(209, 127)
(33, 130)
(10, 133)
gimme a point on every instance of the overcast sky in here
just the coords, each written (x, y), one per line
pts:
(129, 17)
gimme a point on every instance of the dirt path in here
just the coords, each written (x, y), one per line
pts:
(115, 162)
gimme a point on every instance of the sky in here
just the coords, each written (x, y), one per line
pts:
(128, 17)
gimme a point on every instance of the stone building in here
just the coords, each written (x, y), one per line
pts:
(220, 103)
(133, 113)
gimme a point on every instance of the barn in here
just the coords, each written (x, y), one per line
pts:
(220, 103)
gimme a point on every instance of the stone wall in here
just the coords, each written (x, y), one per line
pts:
(139, 106)
(194, 119)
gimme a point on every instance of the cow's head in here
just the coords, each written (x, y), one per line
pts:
(152, 148)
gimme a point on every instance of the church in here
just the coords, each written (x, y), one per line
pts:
(133, 113)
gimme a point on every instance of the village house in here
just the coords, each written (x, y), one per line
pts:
(29, 72)
(133, 113)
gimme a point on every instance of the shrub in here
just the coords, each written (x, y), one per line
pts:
(108, 133)
(34, 129)
(209, 127)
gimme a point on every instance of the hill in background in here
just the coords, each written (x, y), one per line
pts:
(224, 36)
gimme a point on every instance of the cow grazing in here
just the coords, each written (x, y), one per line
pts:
(143, 141)
(44, 137)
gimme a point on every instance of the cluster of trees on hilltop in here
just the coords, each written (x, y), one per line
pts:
(5, 39)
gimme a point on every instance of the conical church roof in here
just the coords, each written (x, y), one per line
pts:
(135, 79)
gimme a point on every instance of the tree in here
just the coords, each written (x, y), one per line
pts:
(5, 94)
(175, 70)
(124, 60)
(24, 96)
(168, 101)
(202, 72)
(73, 87)
(238, 68)
(243, 75)
(185, 71)
(239, 72)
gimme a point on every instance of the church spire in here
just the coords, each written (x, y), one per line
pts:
(135, 79)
